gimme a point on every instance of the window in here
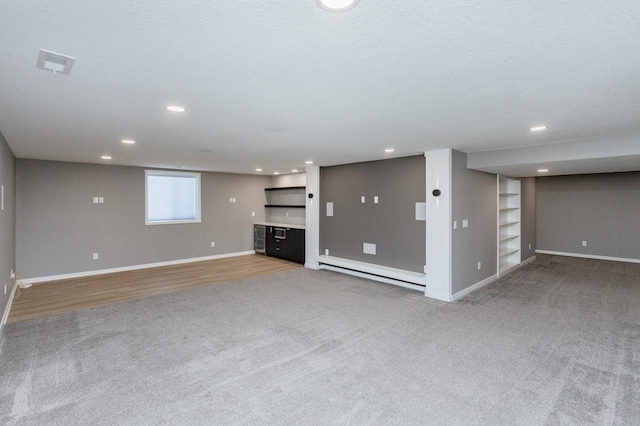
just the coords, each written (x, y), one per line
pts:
(172, 197)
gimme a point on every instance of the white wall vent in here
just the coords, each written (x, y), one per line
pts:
(55, 62)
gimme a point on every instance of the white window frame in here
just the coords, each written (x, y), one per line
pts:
(198, 194)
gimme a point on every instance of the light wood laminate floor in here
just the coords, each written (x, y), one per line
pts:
(57, 297)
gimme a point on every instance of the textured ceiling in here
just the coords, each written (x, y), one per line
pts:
(271, 84)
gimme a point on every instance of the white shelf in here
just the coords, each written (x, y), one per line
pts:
(508, 223)
(508, 252)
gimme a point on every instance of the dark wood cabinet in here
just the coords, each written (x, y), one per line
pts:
(296, 245)
(286, 243)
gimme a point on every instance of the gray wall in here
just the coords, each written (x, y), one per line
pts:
(291, 179)
(7, 223)
(391, 225)
(474, 198)
(602, 209)
(59, 227)
(528, 217)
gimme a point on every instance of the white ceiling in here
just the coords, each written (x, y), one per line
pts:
(271, 84)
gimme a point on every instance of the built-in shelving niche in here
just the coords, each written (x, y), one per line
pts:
(285, 205)
(509, 194)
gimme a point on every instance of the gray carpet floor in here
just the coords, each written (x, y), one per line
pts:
(556, 342)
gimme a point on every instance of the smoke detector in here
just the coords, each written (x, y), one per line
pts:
(55, 62)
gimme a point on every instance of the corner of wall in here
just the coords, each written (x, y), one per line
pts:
(438, 227)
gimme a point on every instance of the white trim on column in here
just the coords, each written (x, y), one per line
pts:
(312, 213)
(438, 226)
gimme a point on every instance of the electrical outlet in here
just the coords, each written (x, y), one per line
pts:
(465, 223)
(362, 199)
(455, 224)
(95, 200)
(479, 265)
(529, 246)
(253, 213)
(13, 274)
(326, 252)
(213, 244)
(95, 256)
(5, 289)
(100, 200)
(375, 199)
(584, 244)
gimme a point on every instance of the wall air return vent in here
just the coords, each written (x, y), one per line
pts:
(55, 62)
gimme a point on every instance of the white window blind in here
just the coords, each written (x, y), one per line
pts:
(172, 197)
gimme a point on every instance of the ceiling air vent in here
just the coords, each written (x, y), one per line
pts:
(55, 62)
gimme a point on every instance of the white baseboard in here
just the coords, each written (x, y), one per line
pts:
(311, 264)
(37, 280)
(443, 297)
(5, 314)
(589, 256)
(474, 287)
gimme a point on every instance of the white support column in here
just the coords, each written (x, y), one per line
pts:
(312, 211)
(438, 238)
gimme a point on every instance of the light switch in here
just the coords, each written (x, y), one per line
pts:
(95, 200)
(95, 256)
(362, 199)
(375, 199)
(455, 224)
(421, 211)
(465, 223)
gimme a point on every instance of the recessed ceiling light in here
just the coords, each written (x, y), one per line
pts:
(294, 171)
(175, 108)
(537, 128)
(128, 141)
(308, 162)
(276, 173)
(258, 170)
(543, 170)
(106, 157)
(389, 150)
(336, 5)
